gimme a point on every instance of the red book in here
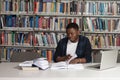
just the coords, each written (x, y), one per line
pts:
(26, 6)
(40, 22)
(34, 40)
(2, 37)
(49, 56)
(35, 6)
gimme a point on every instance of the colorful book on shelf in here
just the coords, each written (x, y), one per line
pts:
(8, 54)
(49, 55)
(48, 0)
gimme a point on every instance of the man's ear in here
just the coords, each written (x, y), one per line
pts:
(78, 31)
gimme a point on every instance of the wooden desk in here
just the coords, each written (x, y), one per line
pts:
(10, 71)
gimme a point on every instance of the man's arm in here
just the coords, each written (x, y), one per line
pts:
(64, 58)
(78, 60)
(88, 51)
(59, 53)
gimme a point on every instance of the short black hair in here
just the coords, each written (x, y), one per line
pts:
(72, 25)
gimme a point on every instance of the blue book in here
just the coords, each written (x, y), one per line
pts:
(106, 24)
(6, 5)
(101, 8)
(8, 20)
(45, 40)
(61, 7)
(55, 6)
(22, 39)
(53, 52)
(97, 23)
(24, 22)
(47, 0)
(8, 54)
(40, 6)
(14, 21)
(19, 37)
(0, 23)
(44, 53)
(36, 21)
(100, 24)
(31, 20)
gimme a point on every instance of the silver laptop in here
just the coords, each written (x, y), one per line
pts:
(108, 60)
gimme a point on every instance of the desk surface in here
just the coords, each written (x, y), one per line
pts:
(10, 71)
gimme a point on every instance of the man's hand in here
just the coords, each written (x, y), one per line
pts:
(64, 58)
(67, 57)
(77, 60)
(74, 61)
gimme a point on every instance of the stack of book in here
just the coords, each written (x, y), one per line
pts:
(42, 63)
(36, 64)
(28, 65)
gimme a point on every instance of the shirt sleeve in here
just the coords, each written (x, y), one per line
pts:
(88, 51)
(57, 52)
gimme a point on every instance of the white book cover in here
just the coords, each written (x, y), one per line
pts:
(29, 68)
(41, 63)
(26, 63)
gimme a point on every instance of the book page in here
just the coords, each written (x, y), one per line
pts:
(73, 57)
(64, 65)
(59, 65)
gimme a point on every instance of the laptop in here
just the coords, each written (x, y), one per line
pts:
(108, 60)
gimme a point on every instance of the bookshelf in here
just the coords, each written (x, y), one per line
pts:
(40, 24)
(101, 23)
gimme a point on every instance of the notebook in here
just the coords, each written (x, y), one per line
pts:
(108, 60)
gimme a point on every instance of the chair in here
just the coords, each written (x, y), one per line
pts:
(23, 56)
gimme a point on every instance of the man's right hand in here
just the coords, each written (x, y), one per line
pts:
(67, 57)
(64, 58)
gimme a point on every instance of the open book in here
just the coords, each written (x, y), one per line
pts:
(66, 65)
(40, 63)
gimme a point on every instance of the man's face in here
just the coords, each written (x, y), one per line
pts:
(72, 34)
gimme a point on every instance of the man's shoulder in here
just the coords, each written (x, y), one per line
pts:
(63, 40)
(83, 37)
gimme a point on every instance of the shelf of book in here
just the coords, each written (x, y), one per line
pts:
(28, 47)
(101, 23)
(99, 32)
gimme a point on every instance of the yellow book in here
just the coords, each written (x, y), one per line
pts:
(52, 7)
(44, 6)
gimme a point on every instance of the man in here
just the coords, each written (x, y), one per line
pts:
(73, 45)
